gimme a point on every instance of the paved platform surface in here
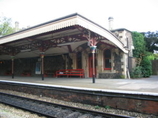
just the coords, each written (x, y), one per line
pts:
(144, 85)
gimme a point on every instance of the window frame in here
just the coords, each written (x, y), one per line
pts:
(105, 59)
(79, 55)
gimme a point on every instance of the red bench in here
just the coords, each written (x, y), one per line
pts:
(70, 72)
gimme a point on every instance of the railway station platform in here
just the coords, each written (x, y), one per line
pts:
(142, 85)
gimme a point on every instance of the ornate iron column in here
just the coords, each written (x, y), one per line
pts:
(93, 49)
(92, 41)
(42, 65)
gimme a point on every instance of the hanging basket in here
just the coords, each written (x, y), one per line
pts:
(93, 48)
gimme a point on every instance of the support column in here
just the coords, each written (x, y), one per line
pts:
(125, 66)
(93, 48)
(42, 65)
(12, 58)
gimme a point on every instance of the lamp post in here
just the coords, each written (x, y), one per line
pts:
(92, 41)
(93, 49)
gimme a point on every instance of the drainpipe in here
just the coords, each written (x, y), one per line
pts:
(128, 74)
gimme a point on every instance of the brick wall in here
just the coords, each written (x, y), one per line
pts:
(130, 102)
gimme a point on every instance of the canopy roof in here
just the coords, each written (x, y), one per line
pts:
(58, 36)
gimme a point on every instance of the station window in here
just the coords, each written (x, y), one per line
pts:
(107, 59)
(79, 60)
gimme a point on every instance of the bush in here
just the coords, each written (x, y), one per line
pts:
(122, 76)
(136, 72)
(144, 70)
(146, 66)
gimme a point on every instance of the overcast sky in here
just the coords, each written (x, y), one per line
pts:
(134, 15)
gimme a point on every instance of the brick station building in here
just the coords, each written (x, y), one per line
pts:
(66, 43)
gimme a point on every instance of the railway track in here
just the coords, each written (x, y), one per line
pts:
(52, 110)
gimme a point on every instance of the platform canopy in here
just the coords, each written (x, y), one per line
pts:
(55, 37)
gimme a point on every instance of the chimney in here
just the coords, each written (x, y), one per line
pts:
(16, 26)
(110, 23)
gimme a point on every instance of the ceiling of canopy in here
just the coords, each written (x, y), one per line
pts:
(55, 37)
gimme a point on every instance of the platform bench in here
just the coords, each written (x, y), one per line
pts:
(70, 72)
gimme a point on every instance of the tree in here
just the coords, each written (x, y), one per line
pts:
(5, 26)
(151, 39)
(146, 66)
(139, 45)
(143, 67)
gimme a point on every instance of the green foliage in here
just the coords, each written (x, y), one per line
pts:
(5, 26)
(146, 66)
(139, 44)
(143, 67)
(107, 107)
(152, 56)
(97, 107)
(136, 72)
(155, 56)
(122, 76)
(151, 39)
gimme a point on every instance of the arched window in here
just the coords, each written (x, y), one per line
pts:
(107, 59)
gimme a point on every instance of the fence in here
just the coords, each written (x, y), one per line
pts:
(155, 67)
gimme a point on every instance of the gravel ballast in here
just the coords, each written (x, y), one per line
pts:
(6, 111)
(11, 112)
